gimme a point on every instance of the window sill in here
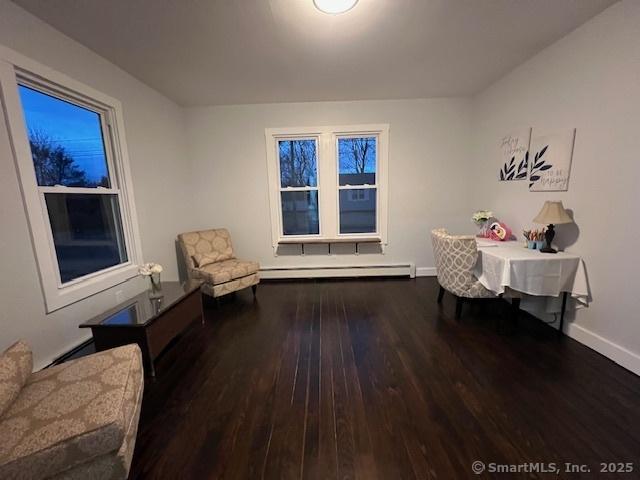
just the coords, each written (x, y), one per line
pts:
(357, 241)
(60, 297)
(298, 241)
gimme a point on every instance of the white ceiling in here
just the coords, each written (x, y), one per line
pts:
(211, 52)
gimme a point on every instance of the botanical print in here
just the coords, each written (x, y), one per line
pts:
(539, 166)
(551, 165)
(514, 151)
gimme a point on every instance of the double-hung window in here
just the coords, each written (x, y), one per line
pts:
(328, 184)
(75, 181)
(298, 174)
(357, 190)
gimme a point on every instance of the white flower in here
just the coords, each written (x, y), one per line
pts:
(156, 268)
(149, 269)
(482, 216)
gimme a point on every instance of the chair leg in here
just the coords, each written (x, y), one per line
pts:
(254, 289)
(208, 301)
(440, 294)
(459, 302)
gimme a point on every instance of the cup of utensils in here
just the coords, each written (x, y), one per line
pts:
(534, 239)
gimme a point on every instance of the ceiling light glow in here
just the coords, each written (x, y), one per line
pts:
(334, 7)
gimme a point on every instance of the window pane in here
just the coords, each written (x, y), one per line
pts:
(358, 210)
(298, 165)
(66, 141)
(300, 213)
(87, 232)
(357, 160)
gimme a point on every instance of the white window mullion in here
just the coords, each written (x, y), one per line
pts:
(327, 193)
(298, 189)
(80, 190)
(357, 187)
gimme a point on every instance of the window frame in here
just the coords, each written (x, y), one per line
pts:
(15, 70)
(357, 187)
(285, 138)
(328, 182)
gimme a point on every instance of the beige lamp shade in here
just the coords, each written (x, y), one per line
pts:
(553, 213)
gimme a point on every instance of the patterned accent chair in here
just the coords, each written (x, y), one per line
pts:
(209, 257)
(76, 420)
(455, 256)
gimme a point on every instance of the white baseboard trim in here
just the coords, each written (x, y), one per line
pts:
(613, 351)
(393, 270)
(425, 271)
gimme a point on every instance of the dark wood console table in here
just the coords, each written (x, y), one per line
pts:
(150, 322)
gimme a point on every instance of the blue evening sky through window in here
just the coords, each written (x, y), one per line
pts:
(74, 128)
(351, 151)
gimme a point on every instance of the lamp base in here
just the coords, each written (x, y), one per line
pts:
(548, 236)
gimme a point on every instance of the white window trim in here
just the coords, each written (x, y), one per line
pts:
(328, 189)
(15, 66)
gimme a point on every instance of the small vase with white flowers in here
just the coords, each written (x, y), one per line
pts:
(152, 271)
(481, 219)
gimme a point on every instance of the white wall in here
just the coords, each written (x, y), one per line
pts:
(428, 175)
(589, 80)
(154, 127)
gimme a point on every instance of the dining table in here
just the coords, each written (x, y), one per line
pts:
(510, 265)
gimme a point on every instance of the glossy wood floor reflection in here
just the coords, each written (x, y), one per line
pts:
(372, 379)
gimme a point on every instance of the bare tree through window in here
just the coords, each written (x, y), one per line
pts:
(357, 155)
(54, 165)
(298, 163)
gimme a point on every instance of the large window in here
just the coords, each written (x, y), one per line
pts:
(298, 161)
(357, 200)
(75, 180)
(328, 183)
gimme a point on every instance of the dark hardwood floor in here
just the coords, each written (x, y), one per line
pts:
(372, 379)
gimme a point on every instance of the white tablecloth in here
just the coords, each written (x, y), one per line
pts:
(509, 264)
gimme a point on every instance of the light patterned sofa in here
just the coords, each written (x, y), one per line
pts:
(455, 256)
(209, 257)
(77, 420)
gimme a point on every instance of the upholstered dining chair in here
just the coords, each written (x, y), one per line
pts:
(455, 256)
(209, 257)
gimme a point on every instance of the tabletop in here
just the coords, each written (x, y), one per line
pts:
(141, 310)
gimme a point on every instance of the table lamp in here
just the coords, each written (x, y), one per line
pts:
(552, 212)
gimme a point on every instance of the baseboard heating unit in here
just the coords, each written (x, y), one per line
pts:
(390, 270)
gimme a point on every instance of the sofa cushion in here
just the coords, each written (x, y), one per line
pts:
(70, 414)
(16, 363)
(232, 286)
(204, 259)
(215, 243)
(222, 272)
(114, 465)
